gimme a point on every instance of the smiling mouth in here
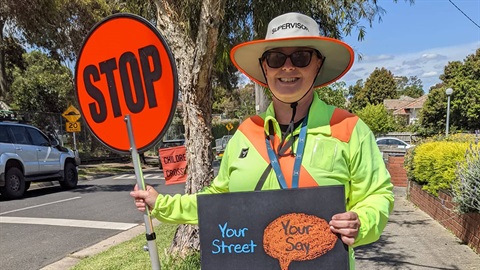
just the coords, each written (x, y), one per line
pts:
(288, 80)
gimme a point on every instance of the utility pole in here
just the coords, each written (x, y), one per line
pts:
(261, 102)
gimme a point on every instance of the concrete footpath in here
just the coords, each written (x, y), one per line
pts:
(412, 240)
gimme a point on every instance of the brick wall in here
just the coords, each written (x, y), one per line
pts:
(396, 170)
(466, 227)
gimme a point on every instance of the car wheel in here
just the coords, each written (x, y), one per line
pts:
(70, 178)
(14, 184)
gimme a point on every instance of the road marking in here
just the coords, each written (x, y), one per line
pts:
(132, 176)
(69, 223)
(38, 205)
(121, 176)
(153, 176)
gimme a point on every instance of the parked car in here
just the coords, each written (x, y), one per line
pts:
(392, 143)
(220, 145)
(168, 144)
(28, 155)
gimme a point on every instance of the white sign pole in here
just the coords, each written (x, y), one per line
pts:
(150, 233)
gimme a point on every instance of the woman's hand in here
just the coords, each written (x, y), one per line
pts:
(144, 197)
(347, 225)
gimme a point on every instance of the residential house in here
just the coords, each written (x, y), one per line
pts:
(406, 107)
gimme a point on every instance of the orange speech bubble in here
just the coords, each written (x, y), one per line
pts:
(297, 237)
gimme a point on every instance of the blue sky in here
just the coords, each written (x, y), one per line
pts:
(417, 40)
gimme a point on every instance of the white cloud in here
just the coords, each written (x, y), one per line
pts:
(427, 65)
(432, 56)
(430, 74)
(378, 58)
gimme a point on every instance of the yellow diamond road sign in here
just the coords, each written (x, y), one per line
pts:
(71, 114)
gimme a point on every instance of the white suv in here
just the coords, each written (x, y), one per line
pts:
(28, 155)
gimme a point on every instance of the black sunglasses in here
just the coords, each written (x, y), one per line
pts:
(299, 58)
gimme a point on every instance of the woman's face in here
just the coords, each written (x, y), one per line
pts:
(289, 82)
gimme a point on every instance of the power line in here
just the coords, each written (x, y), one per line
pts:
(464, 13)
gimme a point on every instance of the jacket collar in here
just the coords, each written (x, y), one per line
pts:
(318, 118)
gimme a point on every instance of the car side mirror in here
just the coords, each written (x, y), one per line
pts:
(55, 143)
(53, 140)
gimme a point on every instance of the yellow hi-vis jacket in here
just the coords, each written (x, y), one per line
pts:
(339, 149)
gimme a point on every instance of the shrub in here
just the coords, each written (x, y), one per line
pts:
(377, 118)
(435, 163)
(466, 191)
(408, 163)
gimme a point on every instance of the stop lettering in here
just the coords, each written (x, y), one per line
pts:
(125, 68)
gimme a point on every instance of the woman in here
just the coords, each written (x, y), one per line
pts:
(299, 141)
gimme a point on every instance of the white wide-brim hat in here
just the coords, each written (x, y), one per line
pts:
(294, 30)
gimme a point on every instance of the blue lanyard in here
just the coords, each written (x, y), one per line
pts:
(298, 158)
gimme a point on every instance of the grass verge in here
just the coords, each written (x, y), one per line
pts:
(130, 254)
(106, 169)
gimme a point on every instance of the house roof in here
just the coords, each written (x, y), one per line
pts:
(394, 104)
(400, 111)
(401, 107)
(417, 103)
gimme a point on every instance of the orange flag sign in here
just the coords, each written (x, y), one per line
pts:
(174, 164)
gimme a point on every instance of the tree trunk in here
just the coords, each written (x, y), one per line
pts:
(194, 64)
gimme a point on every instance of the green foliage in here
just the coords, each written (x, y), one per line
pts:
(466, 191)
(354, 89)
(379, 85)
(224, 101)
(246, 100)
(433, 114)
(464, 79)
(237, 103)
(42, 89)
(434, 164)
(409, 165)
(334, 94)
(44, 85)
(13, 57)
(377, 118)
(56, 26)
(411, 86)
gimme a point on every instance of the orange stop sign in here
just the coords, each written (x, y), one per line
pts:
(126, 68)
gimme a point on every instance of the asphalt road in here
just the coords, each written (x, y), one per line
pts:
(50, 223)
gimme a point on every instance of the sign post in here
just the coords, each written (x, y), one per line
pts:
(126, 76)
(150, 232)
(71, 114)
(229, 127)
